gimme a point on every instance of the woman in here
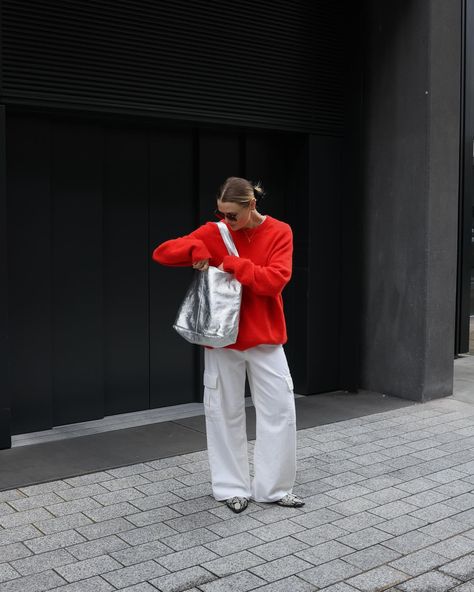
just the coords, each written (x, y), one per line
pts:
(263, 267)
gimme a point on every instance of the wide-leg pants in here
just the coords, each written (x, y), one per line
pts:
(224, 403)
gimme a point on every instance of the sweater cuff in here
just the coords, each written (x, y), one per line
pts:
(230, 262)
(199, 253)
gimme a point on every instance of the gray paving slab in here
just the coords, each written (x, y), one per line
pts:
(389, 505)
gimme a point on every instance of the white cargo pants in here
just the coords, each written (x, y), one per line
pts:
(224, 403)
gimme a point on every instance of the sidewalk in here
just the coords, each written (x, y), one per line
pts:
(389, 506)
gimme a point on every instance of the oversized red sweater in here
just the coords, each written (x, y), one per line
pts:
(263, 269)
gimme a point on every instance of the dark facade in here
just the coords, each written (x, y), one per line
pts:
(121, 120)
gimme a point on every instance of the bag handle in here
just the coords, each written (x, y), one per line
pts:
(227, 238)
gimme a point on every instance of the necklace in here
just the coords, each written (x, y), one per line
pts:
(249, 232)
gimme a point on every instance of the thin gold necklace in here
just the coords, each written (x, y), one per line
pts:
(249, 238)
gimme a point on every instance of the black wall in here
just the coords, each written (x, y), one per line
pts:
(90, 313)
(411, 114)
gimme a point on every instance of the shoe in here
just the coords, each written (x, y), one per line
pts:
(290, 501)
(237, 504)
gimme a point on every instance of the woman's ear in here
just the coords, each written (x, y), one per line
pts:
(253, 203)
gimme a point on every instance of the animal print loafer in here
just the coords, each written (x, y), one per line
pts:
(237, 504)
(290, 501)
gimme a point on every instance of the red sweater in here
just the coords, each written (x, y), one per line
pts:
(263, 269)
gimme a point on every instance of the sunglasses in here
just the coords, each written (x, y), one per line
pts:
(232, 217)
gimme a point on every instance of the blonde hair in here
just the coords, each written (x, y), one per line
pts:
(240, 191)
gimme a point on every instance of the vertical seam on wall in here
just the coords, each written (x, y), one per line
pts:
(149, 261)
(427, 193)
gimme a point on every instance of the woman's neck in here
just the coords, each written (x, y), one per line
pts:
(255, 220)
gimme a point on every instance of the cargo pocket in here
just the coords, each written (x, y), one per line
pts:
(291, 399)
(211, 394)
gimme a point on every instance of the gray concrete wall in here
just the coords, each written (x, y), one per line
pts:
(411, 110)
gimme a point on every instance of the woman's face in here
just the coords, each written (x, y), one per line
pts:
(236, 216)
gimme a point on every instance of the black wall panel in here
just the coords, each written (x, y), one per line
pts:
(77, 293)
(272, 63)
(125, 268)
(29, 272)
(173, 213)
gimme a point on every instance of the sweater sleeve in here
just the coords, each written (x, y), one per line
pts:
(183, 251)
(265, 280)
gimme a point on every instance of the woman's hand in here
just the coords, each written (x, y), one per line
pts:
(201, 265)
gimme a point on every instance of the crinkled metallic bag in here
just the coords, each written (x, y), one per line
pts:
(210, 312)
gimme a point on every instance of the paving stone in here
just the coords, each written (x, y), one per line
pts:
(123, 495)
(372, 557)
(11, 494)
(94, 584)
(23, 518)
(150, 502)
(130, 470)
(434, 512)
(467, 587)
(235, 524)
(162, 486)
(377, 579)
(386, 495)
(95, 548)
(138, 536)
(34, 583)
(238, 582)
(82, 570)
(42, 562)
(366, 537)
(235, 543)
(358, 521)
(454, 547)
(329, 573)
(35, 501)
(103, 529)
(14, 551)
(382, 481)
(324, 552)
(464, 501)
(196, 505)
(443, 528)
(277, 530)
(72, 507)
(125, 482)
(192, 538)
(466, 517)
(146, 587)
(316, 518)
(189, 522)
(182, 580)
(454, 488)
(320, 534)
(135, 574)
(401, 525)
(17, 535)
(74, 493)
(166, 473)
(432, 581)
(195, 478)
(89, 479)
(426, 498)
(56, 486)
(411, 541)
(353, 506)
(280, 568)
(417, 485)
(177, 560)
(112, 511)
(141, 553)
(418, 562)
(63, 523)
(462, 568)
(279, 548)
(340, 587)
(7, 573)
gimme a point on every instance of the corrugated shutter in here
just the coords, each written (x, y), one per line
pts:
(265, 63)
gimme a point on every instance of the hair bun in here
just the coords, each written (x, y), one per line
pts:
(258, 191)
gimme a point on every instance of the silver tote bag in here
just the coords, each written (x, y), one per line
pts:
(210, 311)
